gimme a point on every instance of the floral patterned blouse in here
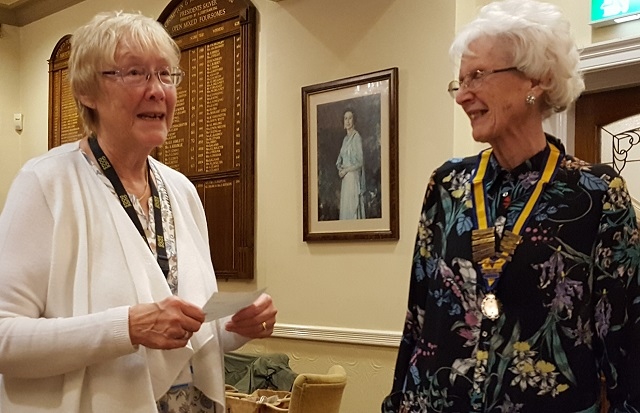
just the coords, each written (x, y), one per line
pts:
(570, 297)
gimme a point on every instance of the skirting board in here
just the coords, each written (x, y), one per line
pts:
(338, 335)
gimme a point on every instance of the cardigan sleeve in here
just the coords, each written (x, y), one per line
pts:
(32, 346)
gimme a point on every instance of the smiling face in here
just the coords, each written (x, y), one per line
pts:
(496, 104)
(133, 118)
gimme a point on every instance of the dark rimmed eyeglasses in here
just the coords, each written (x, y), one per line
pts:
(473, 80)
(140, 75)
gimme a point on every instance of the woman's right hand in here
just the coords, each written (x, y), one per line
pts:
(164, 325)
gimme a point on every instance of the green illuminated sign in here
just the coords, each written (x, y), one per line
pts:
(604, 11)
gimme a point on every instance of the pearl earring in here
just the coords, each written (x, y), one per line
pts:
(531, 100)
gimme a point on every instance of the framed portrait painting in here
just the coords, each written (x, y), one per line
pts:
(350, 158)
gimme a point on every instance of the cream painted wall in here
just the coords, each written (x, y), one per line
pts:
(345, 285)
(360, 286)
(10, 103)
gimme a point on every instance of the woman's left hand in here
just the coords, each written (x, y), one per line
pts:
(256, 320)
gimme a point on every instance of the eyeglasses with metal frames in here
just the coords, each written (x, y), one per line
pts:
(473, 79)
(139, 75)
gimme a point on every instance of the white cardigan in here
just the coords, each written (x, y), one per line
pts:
(71, 264)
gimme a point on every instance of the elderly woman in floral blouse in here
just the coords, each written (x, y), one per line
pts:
(524, 286)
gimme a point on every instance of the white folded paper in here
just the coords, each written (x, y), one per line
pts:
(222, 304)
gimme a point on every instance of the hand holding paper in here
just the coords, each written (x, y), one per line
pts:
(222, 304)
(254, 314)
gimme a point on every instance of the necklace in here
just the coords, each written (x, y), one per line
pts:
(490, 259)
(146, 185)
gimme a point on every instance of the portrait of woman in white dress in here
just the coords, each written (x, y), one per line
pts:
(350, 165)
(349, 160)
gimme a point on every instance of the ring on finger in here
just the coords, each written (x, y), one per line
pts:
(264, 325)
(186, 335)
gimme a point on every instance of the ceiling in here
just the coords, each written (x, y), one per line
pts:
(22, 12)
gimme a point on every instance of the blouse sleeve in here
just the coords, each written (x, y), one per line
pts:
(617, 299)
(417, 288)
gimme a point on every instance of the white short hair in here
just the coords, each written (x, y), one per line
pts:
(541, 46)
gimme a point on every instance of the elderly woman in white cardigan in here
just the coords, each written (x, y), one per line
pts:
(104, 252)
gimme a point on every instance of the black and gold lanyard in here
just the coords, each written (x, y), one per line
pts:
(125, 201)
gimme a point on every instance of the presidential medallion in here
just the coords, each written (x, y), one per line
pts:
(490, 306)
(491, 258)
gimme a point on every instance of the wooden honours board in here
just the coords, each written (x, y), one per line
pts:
(64, 123)
(212, 138)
